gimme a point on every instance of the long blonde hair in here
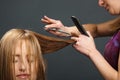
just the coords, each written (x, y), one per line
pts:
(39, 43)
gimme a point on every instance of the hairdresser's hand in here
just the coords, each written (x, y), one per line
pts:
(84, 44)
(52, 23)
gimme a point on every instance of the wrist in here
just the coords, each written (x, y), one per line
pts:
(67, 29)
(93, 53)
(73, 31)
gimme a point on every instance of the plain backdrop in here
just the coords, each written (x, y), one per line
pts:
(67, 63)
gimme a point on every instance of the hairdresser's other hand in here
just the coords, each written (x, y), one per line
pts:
(52, 23)
(84, 44)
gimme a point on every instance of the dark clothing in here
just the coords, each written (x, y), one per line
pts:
(112, 48)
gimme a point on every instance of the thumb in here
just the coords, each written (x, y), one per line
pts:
(89, 34)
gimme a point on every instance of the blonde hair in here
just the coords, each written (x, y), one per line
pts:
(39, 44)
(7, 46)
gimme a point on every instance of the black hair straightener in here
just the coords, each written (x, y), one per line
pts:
(79, 26)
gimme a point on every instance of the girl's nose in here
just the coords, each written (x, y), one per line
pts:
(23, 67)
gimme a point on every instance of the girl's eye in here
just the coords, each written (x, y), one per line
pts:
(15, 60)
(31, 60)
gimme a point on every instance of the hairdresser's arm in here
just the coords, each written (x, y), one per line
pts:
(104, 29)
(103, 66)
(97, 30)
(82, 45)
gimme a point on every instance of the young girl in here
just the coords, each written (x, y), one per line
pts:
(21, 54)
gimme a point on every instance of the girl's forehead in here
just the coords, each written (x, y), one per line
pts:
(24, 47)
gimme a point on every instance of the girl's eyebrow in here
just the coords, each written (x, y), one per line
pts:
(16, 55)
(31, 55)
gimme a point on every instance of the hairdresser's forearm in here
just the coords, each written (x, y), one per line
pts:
(107, 28)
(102, 65)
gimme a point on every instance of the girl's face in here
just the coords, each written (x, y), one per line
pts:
(112, 6)
(25, 63)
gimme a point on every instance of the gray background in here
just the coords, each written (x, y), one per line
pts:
(66, 64)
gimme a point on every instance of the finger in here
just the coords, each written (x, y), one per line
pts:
(75, 45)
(55, 32)
(45, 21)
(74, 38)
(89, 34)
(50, 20)
(51, 26)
